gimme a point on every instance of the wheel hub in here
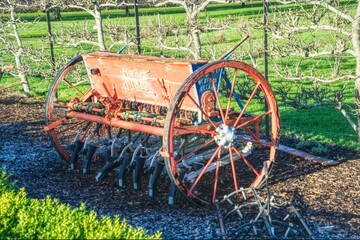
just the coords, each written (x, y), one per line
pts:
(226, 135)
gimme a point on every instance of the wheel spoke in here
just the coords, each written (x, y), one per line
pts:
(230, 95)
(252, 120)
(217, 97)
(260, 142)
(73, 86)
(245, 161)
(216, 176)
(60, 106)
(203, 171)
(247, 103)
(55, 124)
(251, 133)
(71, 127)
(87, 95)
(194, 151)
(233, 170)
(194, 129)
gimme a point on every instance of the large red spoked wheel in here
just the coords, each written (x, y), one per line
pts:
(224, 148)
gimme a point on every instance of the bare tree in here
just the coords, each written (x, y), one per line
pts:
(343, 40)
(192, 9)
(11, 6)
(93, 7)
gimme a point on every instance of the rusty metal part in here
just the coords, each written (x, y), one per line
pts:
(260, 213)
(117, 123)
(308, 156)
(208, 101)
(178, 103)
(220, 219)
(137, 78)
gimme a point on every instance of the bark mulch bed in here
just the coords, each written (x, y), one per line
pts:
(329, 196)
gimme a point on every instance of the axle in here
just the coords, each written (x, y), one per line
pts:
(115, 122)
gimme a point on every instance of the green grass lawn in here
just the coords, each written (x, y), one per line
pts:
(321, 124)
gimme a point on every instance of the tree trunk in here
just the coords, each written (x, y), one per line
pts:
(99, 27)
(22, 74)
(195, 34)
(356, 43)
(17, 55)
(196, 37)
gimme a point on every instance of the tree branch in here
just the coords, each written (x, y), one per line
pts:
(83, 8)
(318, 54)
(319, 27)
(323, 80)
(84, 42)
(311, 77)
(121, 42)
(177, 2)
(205, 4)
(162, 45)
(110, 5)
(334, 10)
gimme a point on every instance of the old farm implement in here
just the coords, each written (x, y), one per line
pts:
(199, 123)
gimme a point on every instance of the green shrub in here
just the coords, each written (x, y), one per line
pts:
(21, 217)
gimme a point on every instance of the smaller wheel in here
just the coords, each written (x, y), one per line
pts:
(71, 82)
(222, 145)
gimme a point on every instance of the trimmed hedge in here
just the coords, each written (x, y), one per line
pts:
(21, 217)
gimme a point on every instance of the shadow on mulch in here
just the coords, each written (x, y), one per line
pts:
(329, 196)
